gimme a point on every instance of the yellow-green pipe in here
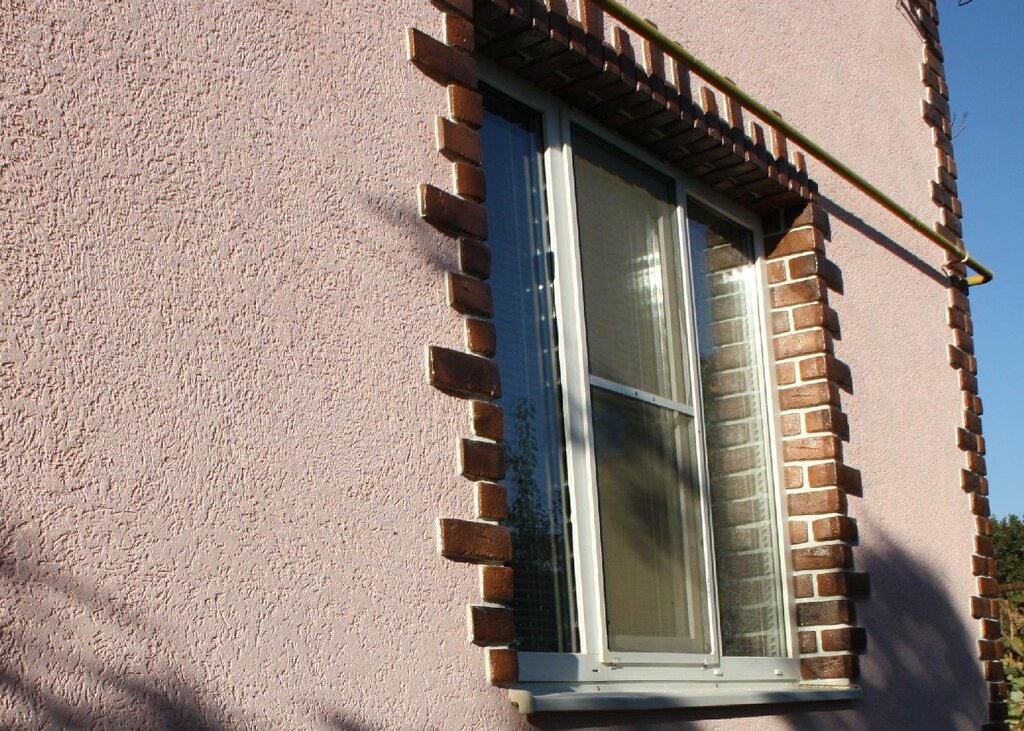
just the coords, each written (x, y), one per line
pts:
(646, 29)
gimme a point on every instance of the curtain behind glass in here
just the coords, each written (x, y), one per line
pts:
(648, 495)
(543, 604)
(736, 423)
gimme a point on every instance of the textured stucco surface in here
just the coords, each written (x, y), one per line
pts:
(221, 463)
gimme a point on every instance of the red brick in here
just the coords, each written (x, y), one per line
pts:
(809, 214)
(469, 295)
(502, 666)
(994, 671)
(816, 315)
(780, 323)
(469, 181)
(458, 141)
(797, 531)
(816, 265)
(794, 477)
(829, 556)
(982, 608)
(491, 625)
(852, 639)
(828, 420)
(796, 293)
(990, 629)
(465, 105)
(490, 501)
(807, 342)
(487, 420)
(817, 502)
(462, 374)
(442, 63)
(990, 650)
(475, 258)
(795, 242)
(480, 337)
(808, 448)
(988, 587)
(481, 460)
(976, 463)
(458, 32)
(826, 366)
(452, 214)
(466, 540)
(496, 584)
(979, 565)
(803, 586)
(776, 272)
(790, 425)
(979, 505)
(844, 583)
(834, 473)
(835, 528)
(812, 394)
(832, 667)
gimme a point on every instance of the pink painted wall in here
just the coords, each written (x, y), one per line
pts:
(222, 464)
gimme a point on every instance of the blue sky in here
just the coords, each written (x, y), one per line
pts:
(984, 47)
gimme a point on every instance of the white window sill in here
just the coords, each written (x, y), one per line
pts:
(579, 698)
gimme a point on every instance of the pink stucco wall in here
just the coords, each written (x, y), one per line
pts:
(221, 463)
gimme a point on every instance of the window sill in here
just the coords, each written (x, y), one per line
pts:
(675, 696)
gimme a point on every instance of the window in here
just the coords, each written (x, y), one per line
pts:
(641, 465)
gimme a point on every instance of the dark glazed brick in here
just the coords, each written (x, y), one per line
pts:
(481, 460)
(467, 540)
(462, 374)
(469, 295)
(452, 214)
(442, 63)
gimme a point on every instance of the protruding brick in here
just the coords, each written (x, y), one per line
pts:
(990, 650)
(990, 629)
(979, 565)
(496, 584)
(828, 419)
(487, 420)
(475, 258)
(796, 293)
(458, 141)
(490, 501)
(502, 666)
(980, 505)
(469, 181)
(807, 342)
(826, 366)
(851, 639)
(465, 105)
(836, 611)
(480, 337)
(452, 214)
(817, 502)
(794, 242)
(844, 583)
(490, 625)
(835, 528)
(834, 473)
(462, 374)
(988, 587)
(982, 608)
(993, 671)
(831, 667)
(467, 540)
(809, 448)
(829, 556)
(810, 214)
(441, 62)
(817, 314)
(481, 460)
(806, 396)
(469, 295)
(458, 32)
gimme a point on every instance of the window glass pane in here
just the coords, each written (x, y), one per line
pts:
(629, 250)
(523, 320)
(650, 526)
(736, 421)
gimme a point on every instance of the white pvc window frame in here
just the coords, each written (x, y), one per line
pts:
(641, 679)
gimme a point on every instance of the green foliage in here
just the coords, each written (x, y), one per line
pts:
(1008, 536)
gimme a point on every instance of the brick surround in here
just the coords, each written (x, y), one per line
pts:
(936, 112)
(628, 85)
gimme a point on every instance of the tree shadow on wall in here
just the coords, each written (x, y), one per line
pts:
(53, 630)
(920, 670)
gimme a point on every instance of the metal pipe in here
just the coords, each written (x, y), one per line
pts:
(647, 30)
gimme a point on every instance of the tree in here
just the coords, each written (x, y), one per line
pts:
(1008, 537)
